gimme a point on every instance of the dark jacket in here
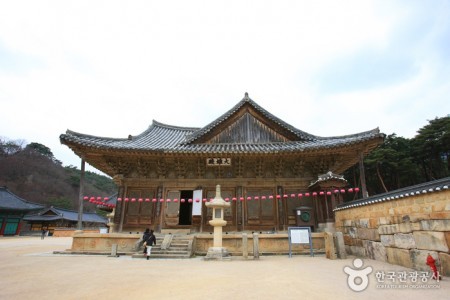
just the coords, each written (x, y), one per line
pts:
(150, 239)
(145, 236)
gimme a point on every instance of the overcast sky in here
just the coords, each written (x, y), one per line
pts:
(108, 68)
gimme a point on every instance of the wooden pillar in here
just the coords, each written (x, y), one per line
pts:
(80, 197)
(318, 210)
(122, 210)
(333, 203)
(160, 207)
(239, 208)
(362, 175)
(279, 205)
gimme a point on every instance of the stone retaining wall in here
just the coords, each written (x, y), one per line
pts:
(68, 232)
(401, 231)
(268, 243)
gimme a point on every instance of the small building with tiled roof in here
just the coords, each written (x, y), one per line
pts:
(12, 211)
(251, 153)
(54, 217)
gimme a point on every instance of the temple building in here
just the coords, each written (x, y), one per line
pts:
(266, 169)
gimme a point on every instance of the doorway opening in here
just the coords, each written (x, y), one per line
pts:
(185, 217)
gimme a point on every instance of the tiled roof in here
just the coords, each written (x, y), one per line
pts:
(168, 139)
(424, 188)
(64, 214)
(174, 139)
(9, 201)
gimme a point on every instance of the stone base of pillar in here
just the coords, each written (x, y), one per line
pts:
(217, 253)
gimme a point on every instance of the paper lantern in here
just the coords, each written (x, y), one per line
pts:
(182, 200)
(278, 196)
(263, 197)
(175, 200)
(168, 200)
(119, 199)
(234, 198)
(300, 195)
(356, 189)
(328, 193)
(127, 199)
(161, 200)
(292, 195)
(147, 200)
(154, 200)
(99, 198)
(314, 193)
(133, 199)
(256, 198)
(197, 200)
(205, 200)
(227, 199)
(241, 198)
(336, 191)
(85, 198)
(285, 196)
(140, 200)
(249, 198)
(321, 193)
(270, 197)
(190, 200)
(307, 194)
(350, 190)
(342, 191)
(105, 199)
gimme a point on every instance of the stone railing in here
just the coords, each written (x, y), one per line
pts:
(269, 244)
(401, 227)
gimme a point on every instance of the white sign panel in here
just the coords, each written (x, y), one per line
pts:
(197, 206)
(299, 236)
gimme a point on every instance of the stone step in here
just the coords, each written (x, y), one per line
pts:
(178, 246)
(156, 254)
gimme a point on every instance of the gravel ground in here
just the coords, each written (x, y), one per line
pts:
(30, 270)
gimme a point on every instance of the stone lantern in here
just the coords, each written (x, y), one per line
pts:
(111, 221)
(218, 205)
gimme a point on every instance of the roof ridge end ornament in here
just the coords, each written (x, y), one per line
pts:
(246, 96)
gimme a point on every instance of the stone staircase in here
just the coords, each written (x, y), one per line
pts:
(170, 246)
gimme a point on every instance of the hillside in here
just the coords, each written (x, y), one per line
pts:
(33, 174)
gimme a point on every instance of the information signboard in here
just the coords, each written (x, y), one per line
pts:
(300, 235)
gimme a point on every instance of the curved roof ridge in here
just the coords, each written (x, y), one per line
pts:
(296, 131)
(5, 188)
(74, 211)
(156, 123)
(372, 131)
(145, 132)
(299, 133)
(78, 134)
